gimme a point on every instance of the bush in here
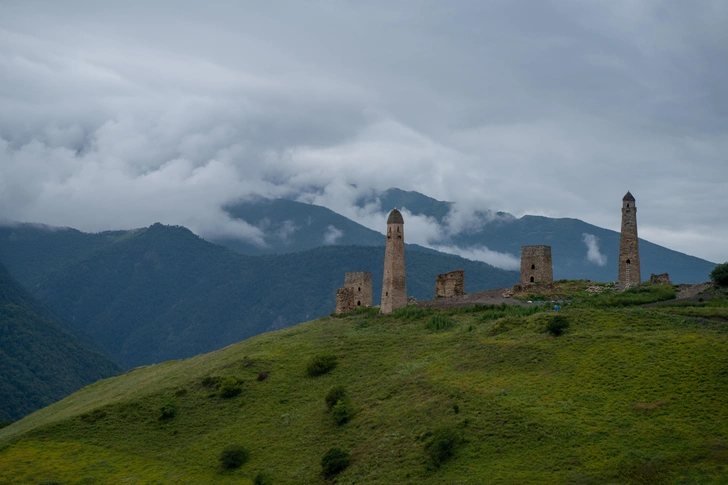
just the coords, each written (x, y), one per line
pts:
(719, 275)
(262, 479)
(557, 325)
(342, 410)
(442, 445)
(234, 456)
(262, 376)
(168, 410)
(334, 462)
(334, 395)
(229, 387)
(439, 322)
(4, 424)
(320, 365)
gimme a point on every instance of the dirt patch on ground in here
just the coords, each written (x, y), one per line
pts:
(486, 297)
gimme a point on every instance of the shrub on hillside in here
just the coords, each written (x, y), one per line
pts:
(343, 410)
(439, 321)
(442, 445)
(234, 456)
(719, 275)
(168, 410)
(334, 395)
(262, 479)
(334, 462)
(4, 424)
(229, 387)
(557, 325)
(321, 364)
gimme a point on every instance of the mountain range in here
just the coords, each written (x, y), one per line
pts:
(580, 250)
(163, 293)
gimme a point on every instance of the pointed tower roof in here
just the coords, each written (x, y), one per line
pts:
(395, 217)
(628, 196)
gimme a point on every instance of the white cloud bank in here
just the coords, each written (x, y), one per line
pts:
(592, 250)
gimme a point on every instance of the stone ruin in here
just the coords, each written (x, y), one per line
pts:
(661, 279)
(536, 265)
(629, 250)
(450, 284)
(356, 292)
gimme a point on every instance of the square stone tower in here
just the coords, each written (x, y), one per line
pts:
(536, 264)
(361, 283)
(629, 250)
(394, 283)
(356, 292)
(450, 284)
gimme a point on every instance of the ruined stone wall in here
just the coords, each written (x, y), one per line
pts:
(345, 300)
(536, 264)
(361, 283)
(394, 283)
(629, 251)
(660, 279)
(450, 284)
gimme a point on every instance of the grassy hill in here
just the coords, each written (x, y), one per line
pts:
(40, 361)
(627, 394)
(163, 293)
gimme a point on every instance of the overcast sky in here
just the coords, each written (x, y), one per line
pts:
(120, 114)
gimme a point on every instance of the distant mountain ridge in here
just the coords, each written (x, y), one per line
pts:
(163, 293)
(497, 231)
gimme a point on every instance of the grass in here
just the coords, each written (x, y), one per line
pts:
(628, 394)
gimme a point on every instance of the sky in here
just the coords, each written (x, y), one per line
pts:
(117, 115)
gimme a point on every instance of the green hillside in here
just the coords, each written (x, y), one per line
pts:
(40, 361)
(625, 395)
(164, 293)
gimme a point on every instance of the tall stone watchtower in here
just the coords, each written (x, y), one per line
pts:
(394, 284)
(536, 264)
(629, 251)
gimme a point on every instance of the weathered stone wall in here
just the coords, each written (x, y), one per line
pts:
(660, 279)
(536, 264)
(450, 284)
(345, 300)
(361, 283)
(394, 283)
(629, 251)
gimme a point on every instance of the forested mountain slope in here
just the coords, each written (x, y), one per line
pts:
(40, 361)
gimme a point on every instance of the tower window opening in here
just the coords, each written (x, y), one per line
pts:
(629, 262)
(627, 204)
(386, 293)
(358, 303)
(360, 288)
(532, 280)
(533, 266)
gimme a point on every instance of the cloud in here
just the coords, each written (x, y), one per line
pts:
(481, 253)
(136, 112)
(332, 235)
(592, 250)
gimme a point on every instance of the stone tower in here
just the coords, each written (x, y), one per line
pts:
(629, 251)
(536, 265)
(356, 292)
(394, 284)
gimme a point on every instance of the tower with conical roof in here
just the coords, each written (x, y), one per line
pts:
(629, 251)
(394, 284)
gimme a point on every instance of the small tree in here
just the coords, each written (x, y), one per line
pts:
(229, 387)
(442, 445)
(334, 462)
(335, 394)
(719, 275)
(234, 456)
(342, 410)
(557, 325)
(321, 364)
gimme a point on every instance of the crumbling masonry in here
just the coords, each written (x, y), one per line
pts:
(356, 292)
(450, 284)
